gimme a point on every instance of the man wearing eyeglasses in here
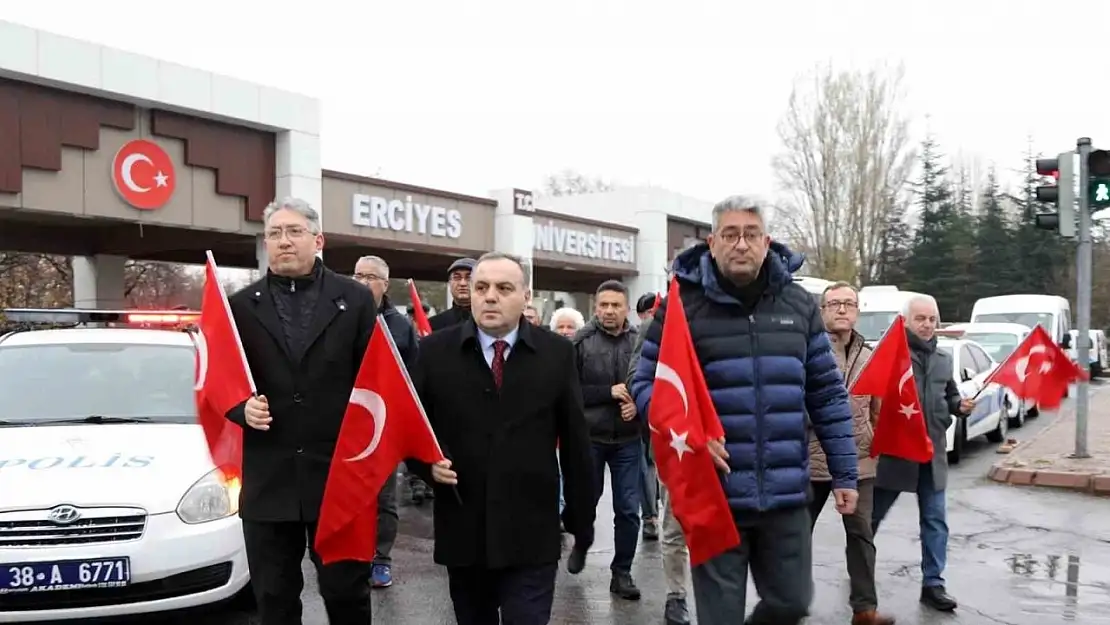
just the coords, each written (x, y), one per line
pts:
(767, 364)
(373, 273)
(840, 309)
(458, 277)
(304, 331)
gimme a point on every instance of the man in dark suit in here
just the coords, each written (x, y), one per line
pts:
(304, 330)
(499, 393)
(458, 277)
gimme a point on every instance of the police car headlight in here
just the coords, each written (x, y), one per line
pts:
(214, 496)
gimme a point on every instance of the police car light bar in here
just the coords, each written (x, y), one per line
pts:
(85, 315)
(952, 334)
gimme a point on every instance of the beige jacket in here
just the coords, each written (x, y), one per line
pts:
(851, 357)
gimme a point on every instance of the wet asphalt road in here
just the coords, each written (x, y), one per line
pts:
(1016, 557)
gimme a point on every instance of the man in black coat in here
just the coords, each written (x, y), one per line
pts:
(373, 273)
(499, 393)
(304, 330)
(458, 276)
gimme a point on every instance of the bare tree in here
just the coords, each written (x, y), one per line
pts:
(572, 182)
(845, 163)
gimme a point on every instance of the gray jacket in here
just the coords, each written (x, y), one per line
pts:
(940, 399)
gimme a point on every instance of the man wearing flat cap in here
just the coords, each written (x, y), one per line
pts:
(458, 276)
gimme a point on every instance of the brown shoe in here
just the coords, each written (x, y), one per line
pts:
(871, 617)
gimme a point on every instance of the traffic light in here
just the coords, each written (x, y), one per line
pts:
(1098, 178)
(1061, 194)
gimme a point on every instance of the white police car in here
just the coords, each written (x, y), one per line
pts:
(109, 502)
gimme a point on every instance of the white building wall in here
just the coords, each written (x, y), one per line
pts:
(645, 208)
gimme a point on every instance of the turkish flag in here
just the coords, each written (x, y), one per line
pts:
(384, 424)
(419, 317)
(682, 419)
(1037, 370)
(223, 376)
(901, 430)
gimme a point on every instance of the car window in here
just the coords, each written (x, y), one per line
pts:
(998, 344)
(1028, 319)
(981, 359)
(52, 382)
(965, 361)
(873, 323)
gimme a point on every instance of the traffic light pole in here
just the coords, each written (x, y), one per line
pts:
(1083, 299)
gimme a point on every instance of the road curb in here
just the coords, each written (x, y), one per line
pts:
(1085, 481)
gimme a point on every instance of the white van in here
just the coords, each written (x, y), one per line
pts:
(815, 286)
(878, 307)
(1098, 357)
(1051, 312)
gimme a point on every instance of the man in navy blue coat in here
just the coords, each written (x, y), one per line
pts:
(768, 364)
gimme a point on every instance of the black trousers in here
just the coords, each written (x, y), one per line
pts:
(859, 548)
(516, 596)
(274, 554)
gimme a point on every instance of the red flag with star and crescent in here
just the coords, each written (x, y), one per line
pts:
(1037, 370)
(223, 376)
(901, 430)
(682, 419)
(384, 424)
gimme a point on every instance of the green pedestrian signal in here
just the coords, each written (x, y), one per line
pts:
(1098, 192)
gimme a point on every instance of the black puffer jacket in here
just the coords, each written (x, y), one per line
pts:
(603, 361)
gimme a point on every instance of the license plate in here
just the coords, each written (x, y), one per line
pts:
(65, 575)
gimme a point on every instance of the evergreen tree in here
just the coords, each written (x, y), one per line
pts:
(896, 247)
(996, 266)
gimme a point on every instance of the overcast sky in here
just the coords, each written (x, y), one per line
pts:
(684, 95)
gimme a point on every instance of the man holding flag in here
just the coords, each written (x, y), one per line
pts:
(373, 273)
(939, 399)
(761, 343)
(304, 331)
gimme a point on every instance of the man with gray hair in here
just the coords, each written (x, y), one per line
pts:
(304, 330)
(940, 399)
(373, 273)
(767, 364)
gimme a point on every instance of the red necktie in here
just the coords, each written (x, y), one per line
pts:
(498, 363)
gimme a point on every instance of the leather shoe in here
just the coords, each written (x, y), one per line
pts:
(576, 561)
(937, 598)
(871, 617)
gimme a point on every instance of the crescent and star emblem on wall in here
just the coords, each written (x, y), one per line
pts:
(143, 174)
(665, 373)
(1021, 367)
(375, 405)
(906, 409)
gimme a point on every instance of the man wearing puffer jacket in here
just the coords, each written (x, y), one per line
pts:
(767, 363)
(840, 309)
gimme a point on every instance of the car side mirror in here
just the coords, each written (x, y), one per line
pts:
(966, 374)
(1066, 341)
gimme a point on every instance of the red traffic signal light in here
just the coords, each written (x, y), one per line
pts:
(1098, 163)
(1048, 167)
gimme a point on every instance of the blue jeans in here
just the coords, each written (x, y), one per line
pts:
(623, 460)
(932, 515)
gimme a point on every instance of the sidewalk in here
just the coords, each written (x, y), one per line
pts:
(1044, 459)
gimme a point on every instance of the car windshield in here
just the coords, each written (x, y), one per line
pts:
(998, 345)
(96, 383)
(872, 323)
(1027, 319)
